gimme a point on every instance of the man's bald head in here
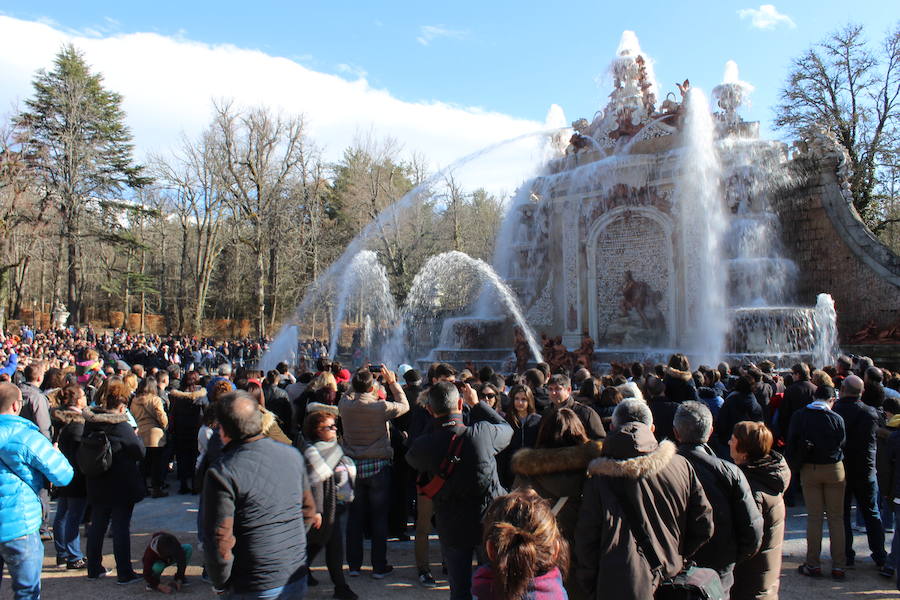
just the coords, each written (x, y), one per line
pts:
(852, 387)
(10, 399)
(239, 415)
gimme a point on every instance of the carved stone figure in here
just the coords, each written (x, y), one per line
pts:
(520, 347)
(585, 353)
(59, 316)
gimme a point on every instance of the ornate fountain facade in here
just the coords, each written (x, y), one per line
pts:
(605, 243)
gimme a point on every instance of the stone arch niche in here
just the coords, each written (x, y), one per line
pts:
(631, 279)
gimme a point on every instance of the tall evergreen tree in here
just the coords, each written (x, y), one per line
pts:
(73, 133)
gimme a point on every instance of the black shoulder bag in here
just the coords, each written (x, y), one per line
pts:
(692, 583)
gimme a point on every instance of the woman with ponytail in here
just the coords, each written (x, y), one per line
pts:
(527, 556)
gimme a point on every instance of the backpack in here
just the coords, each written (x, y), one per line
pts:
(94, 455)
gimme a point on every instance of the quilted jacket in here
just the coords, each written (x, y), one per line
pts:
(26, 459)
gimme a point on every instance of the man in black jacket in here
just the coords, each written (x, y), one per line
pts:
(559, 388)
(861, 422)
(796, 396)
(461, 502)
(255, 501)
(738, 523)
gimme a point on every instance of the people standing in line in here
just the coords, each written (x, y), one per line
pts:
(738, 523)
(27, 462)
(113, 493)
(815, 450)
(71, 500)
(461, 502)
(768, 474)
(332, 475)
(365, 417)
(637, 481)
(256, 502)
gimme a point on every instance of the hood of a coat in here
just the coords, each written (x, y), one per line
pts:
(539, 461)
(102, 415)
(195, 395)
(683, 375)
(66, 415)
(769, 474)
(633, 452)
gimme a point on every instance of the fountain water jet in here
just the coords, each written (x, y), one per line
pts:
(701, 212)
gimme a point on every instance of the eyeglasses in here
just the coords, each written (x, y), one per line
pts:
(332, 427)
(490, 395)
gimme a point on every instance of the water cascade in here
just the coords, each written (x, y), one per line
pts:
(442, 291)
(366, 282)
(701, 213)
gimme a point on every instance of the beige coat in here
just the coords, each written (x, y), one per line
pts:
(151, 419)
(365, 420)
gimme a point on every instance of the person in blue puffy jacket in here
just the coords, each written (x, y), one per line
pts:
(27, 462)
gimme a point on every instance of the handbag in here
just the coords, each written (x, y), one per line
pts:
(692, 583)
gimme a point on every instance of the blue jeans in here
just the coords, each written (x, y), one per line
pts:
(292, 591)
(371, 502)
(24, 558)
(866, 493)
(459, 570)
(101, 515)
(66, 523)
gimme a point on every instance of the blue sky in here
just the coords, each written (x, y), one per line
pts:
(509, 58)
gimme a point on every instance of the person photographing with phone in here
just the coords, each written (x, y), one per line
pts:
(461, 462)
(365, 416)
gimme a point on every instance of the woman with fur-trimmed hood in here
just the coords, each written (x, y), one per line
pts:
(557, 469)
(678, 380)
(653, 483)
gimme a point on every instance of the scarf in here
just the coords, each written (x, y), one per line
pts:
(322, 457)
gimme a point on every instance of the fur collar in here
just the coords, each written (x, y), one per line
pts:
(684, 375)
(198, 393)
(635, 468)
(66, 415)
(102, 415)
(539, 461)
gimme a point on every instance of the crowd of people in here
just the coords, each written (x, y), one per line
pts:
(540, 485)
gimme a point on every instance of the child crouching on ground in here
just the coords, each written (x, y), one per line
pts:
(527, 556)
(164, 550)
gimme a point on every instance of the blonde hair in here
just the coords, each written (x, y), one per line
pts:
(323, 380)
(131, 382)
(820, 377)
(522, 541)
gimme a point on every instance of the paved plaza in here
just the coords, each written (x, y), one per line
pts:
(178, 514)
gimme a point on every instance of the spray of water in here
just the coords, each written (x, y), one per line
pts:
(698, 198)
(366, 279)
(444, 284)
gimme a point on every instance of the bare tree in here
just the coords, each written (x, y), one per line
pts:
(262, 153)
(842, 85)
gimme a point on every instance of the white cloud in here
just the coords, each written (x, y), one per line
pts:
(427, 33)
(351, 69)
(766, 17)
(168, 84)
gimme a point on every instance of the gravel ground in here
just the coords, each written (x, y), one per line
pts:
(177, 514)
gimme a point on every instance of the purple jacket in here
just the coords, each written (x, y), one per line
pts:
(548, 586)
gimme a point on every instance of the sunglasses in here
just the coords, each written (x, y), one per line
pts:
(490, 395)
(323, 427)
